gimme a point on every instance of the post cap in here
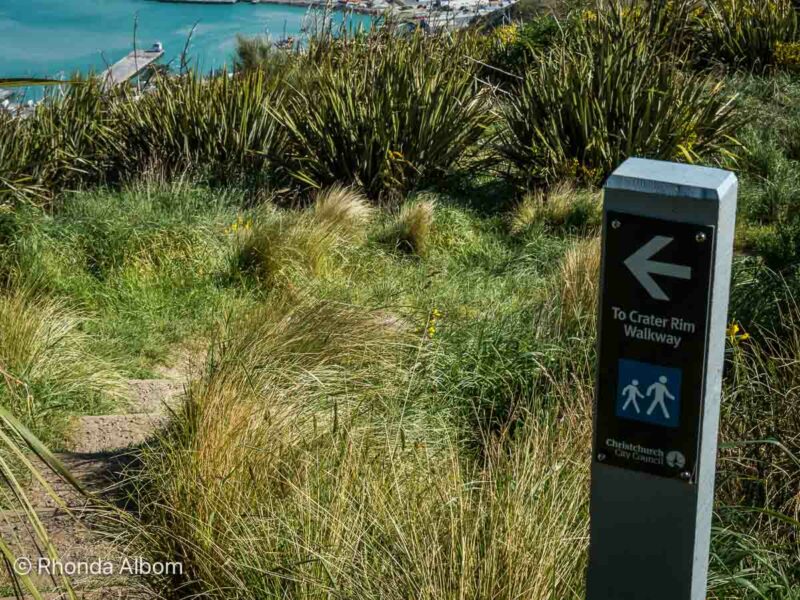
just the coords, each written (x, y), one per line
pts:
(671, 179)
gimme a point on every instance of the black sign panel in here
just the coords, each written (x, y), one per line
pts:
(654, 317)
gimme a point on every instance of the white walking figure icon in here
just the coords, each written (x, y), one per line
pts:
(659, 390)
(632, 393)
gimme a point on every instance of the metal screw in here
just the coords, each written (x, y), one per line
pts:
(686, 475)
(601, 456)
(700, 237)
(616, 224)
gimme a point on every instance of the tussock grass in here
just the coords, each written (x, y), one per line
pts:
(278, 247)
(560, 207)
(410, 230)
(756, 542)
(331, 449)
(764, 369)
(48, 363)
(344, 208)
(577, 285)
(344, 486)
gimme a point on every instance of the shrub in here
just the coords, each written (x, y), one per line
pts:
(384, 112)
(612, 93)
(17, 183)
(260, 54)
(219, 126)
(69, 141)
(513, 47)
(749, 34)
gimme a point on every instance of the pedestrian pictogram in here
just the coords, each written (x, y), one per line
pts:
(659, 391)
(632, 393)
(660, 400)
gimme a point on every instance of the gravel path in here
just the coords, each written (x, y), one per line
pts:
(99, 449)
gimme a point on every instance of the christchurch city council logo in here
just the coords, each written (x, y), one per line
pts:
(676, 459)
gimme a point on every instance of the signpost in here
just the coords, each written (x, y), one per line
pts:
(667, 244)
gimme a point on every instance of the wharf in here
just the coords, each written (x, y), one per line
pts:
(130, 66)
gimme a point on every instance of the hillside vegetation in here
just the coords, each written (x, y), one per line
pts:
(383, 253)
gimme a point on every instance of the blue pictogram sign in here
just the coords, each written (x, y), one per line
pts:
(649, 393)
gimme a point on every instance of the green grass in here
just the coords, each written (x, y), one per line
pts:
(768, 162)
(149, 264)
(440, 378)
(351, 379)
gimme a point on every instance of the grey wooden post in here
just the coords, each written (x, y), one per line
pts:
(667, 245)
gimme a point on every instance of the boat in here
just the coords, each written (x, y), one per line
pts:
(286, 43)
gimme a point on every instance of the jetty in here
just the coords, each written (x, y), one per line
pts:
(130, 66)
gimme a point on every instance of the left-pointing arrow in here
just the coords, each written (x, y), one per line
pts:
(643, 268)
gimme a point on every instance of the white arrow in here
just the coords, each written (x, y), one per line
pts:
(642, 267)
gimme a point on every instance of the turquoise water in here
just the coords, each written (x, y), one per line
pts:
(49, 38)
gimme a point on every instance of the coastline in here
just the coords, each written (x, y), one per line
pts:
(380, 7)
(357, 8)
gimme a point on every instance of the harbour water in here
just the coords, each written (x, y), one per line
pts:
(54, 38)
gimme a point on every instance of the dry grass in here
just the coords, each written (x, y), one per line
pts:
(343, 207)
(300, 471)
(410, 229)
(577, 285)
(560, 206)
(50, 362)
(278, 247)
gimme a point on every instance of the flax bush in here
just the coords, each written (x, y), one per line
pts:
(70, 140)
(222, 126)
(384, 112)
(218, 127)
(617, 90)
(748, 34)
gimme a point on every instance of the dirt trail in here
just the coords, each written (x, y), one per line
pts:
(98, 450)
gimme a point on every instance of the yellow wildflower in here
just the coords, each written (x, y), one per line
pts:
(734, 334)
(507, 34)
